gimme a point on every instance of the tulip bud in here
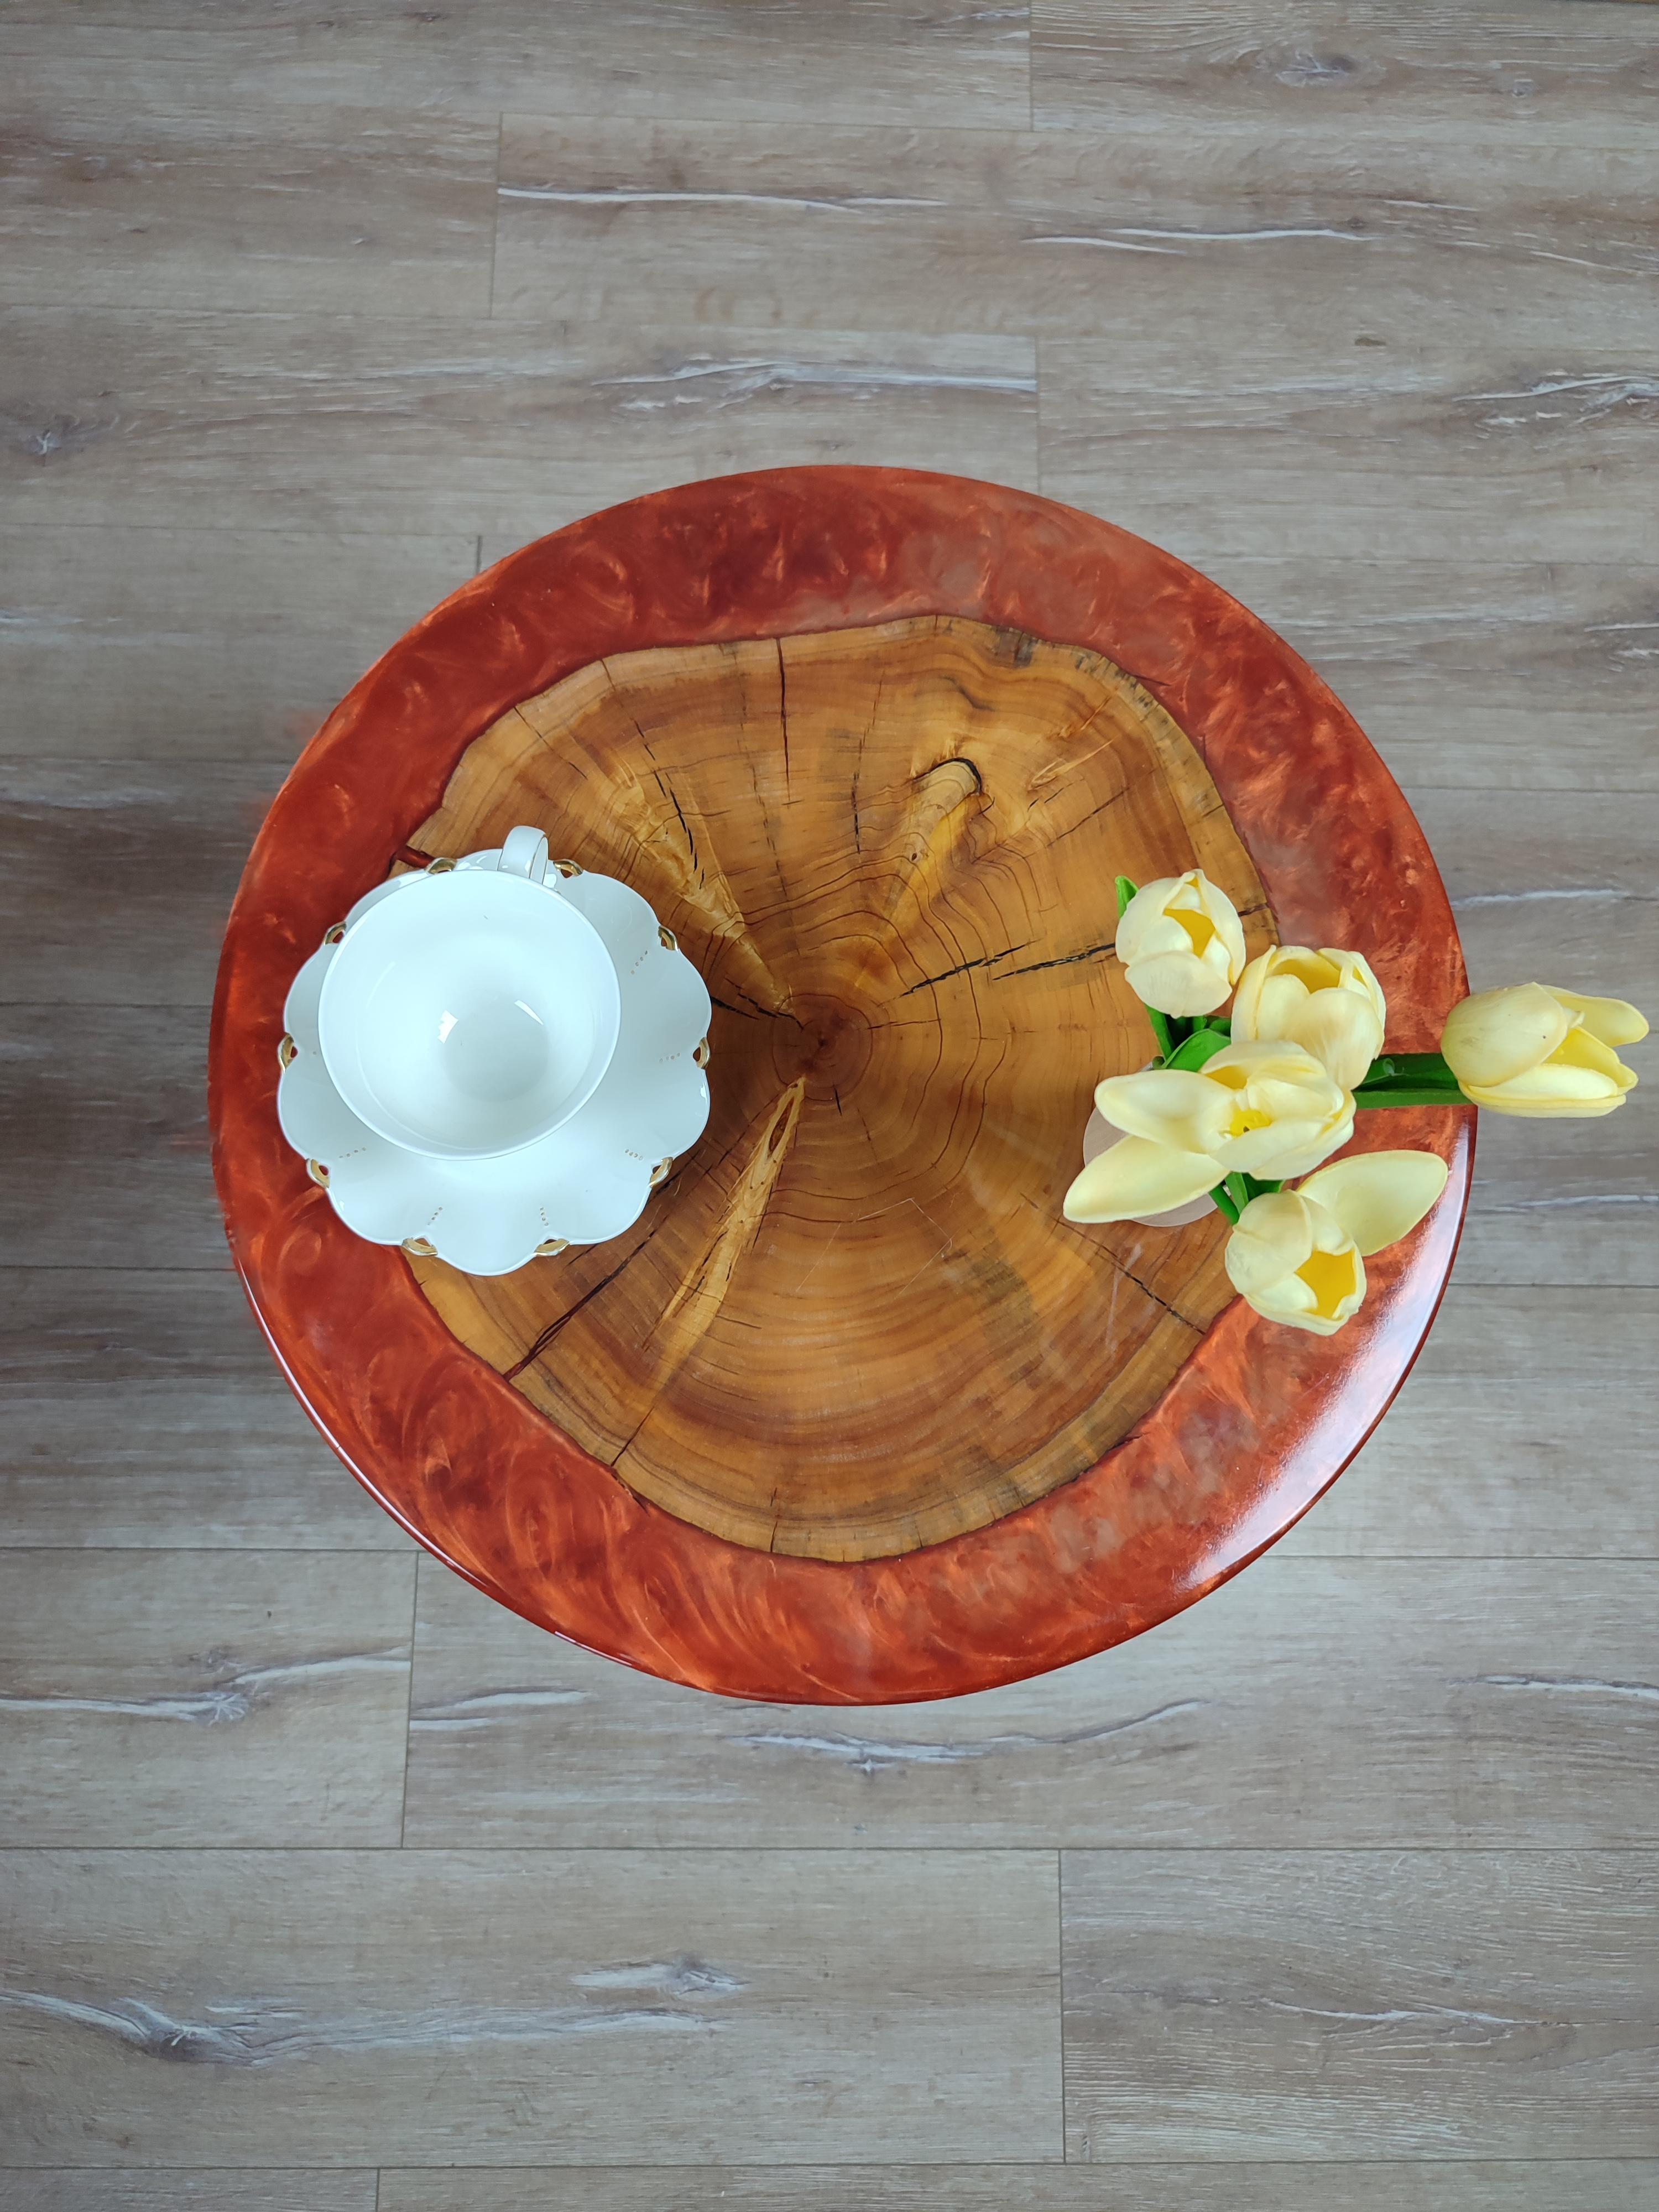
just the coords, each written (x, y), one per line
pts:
(1329, 1002)
(1181, 945)
(1535, 1050)
(1292, 1261)
(1298, 1256)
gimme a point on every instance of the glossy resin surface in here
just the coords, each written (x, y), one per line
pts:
(1253, 1426)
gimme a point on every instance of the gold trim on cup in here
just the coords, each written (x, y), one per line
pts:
(701, 1054)
(420, 1248)
(661, 1173)
(567, 868)
(666, 938)
(286, 1051)
(439, 868)
(318, 1173)
(546, 1249)
(333, 936)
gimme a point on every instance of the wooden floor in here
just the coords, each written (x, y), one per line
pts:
(328, 1886)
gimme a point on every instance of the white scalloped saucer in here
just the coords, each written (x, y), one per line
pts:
(587, 1181)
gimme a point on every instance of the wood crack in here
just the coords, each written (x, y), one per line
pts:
(962, 968)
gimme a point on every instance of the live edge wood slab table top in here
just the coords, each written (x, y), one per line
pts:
(852, 1415)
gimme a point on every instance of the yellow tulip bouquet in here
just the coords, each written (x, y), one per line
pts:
(1241, 1107)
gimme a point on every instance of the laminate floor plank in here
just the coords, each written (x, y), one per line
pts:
(865, 61)
(112, 201)
(1553, 883)
(126, 641)
(1444, 2185)
(1405, 1703)
(839, 228)
(115, 880)
(558, 2008)
(143, 1410)
(221, 2189)
(1349, 445)
(1569, 74)
(103, 1121)
(416, 428)
(1336, 2005)
(160, 1698)
(1564, 1202)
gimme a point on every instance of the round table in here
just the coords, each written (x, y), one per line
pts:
(1231, 1441)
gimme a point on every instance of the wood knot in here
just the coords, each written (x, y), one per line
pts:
(825, 1041)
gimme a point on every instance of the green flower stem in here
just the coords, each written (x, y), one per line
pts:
(1420, 1067)
(1239, 1191)
(1224, 1202)
(1404, 1094)
(1409, 1078)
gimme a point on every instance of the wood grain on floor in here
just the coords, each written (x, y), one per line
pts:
(1576, 74)
(390, 428)
(203, 1696)
(133, 643)
(562, 2006)
(213, 2189)
(1358, 2004)
(1468, 2185)
(896, 62)
(309, 311)
(250, 207)
(1043, 231)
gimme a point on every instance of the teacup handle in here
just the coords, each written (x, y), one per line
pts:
(524, 853)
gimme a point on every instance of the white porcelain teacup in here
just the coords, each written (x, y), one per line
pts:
(474, 1011)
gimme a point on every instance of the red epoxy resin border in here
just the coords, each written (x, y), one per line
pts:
(1259, 1422)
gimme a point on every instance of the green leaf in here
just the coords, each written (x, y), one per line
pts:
(1224, 1202)
(1125, 891)
(1194, 1050)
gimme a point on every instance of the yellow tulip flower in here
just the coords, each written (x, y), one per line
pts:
(1298, 1256)
(1261, 1110)
(1533, 1049)
(1181, 945)
(1327, 1001)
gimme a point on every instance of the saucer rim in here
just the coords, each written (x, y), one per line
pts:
(451, 1174)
